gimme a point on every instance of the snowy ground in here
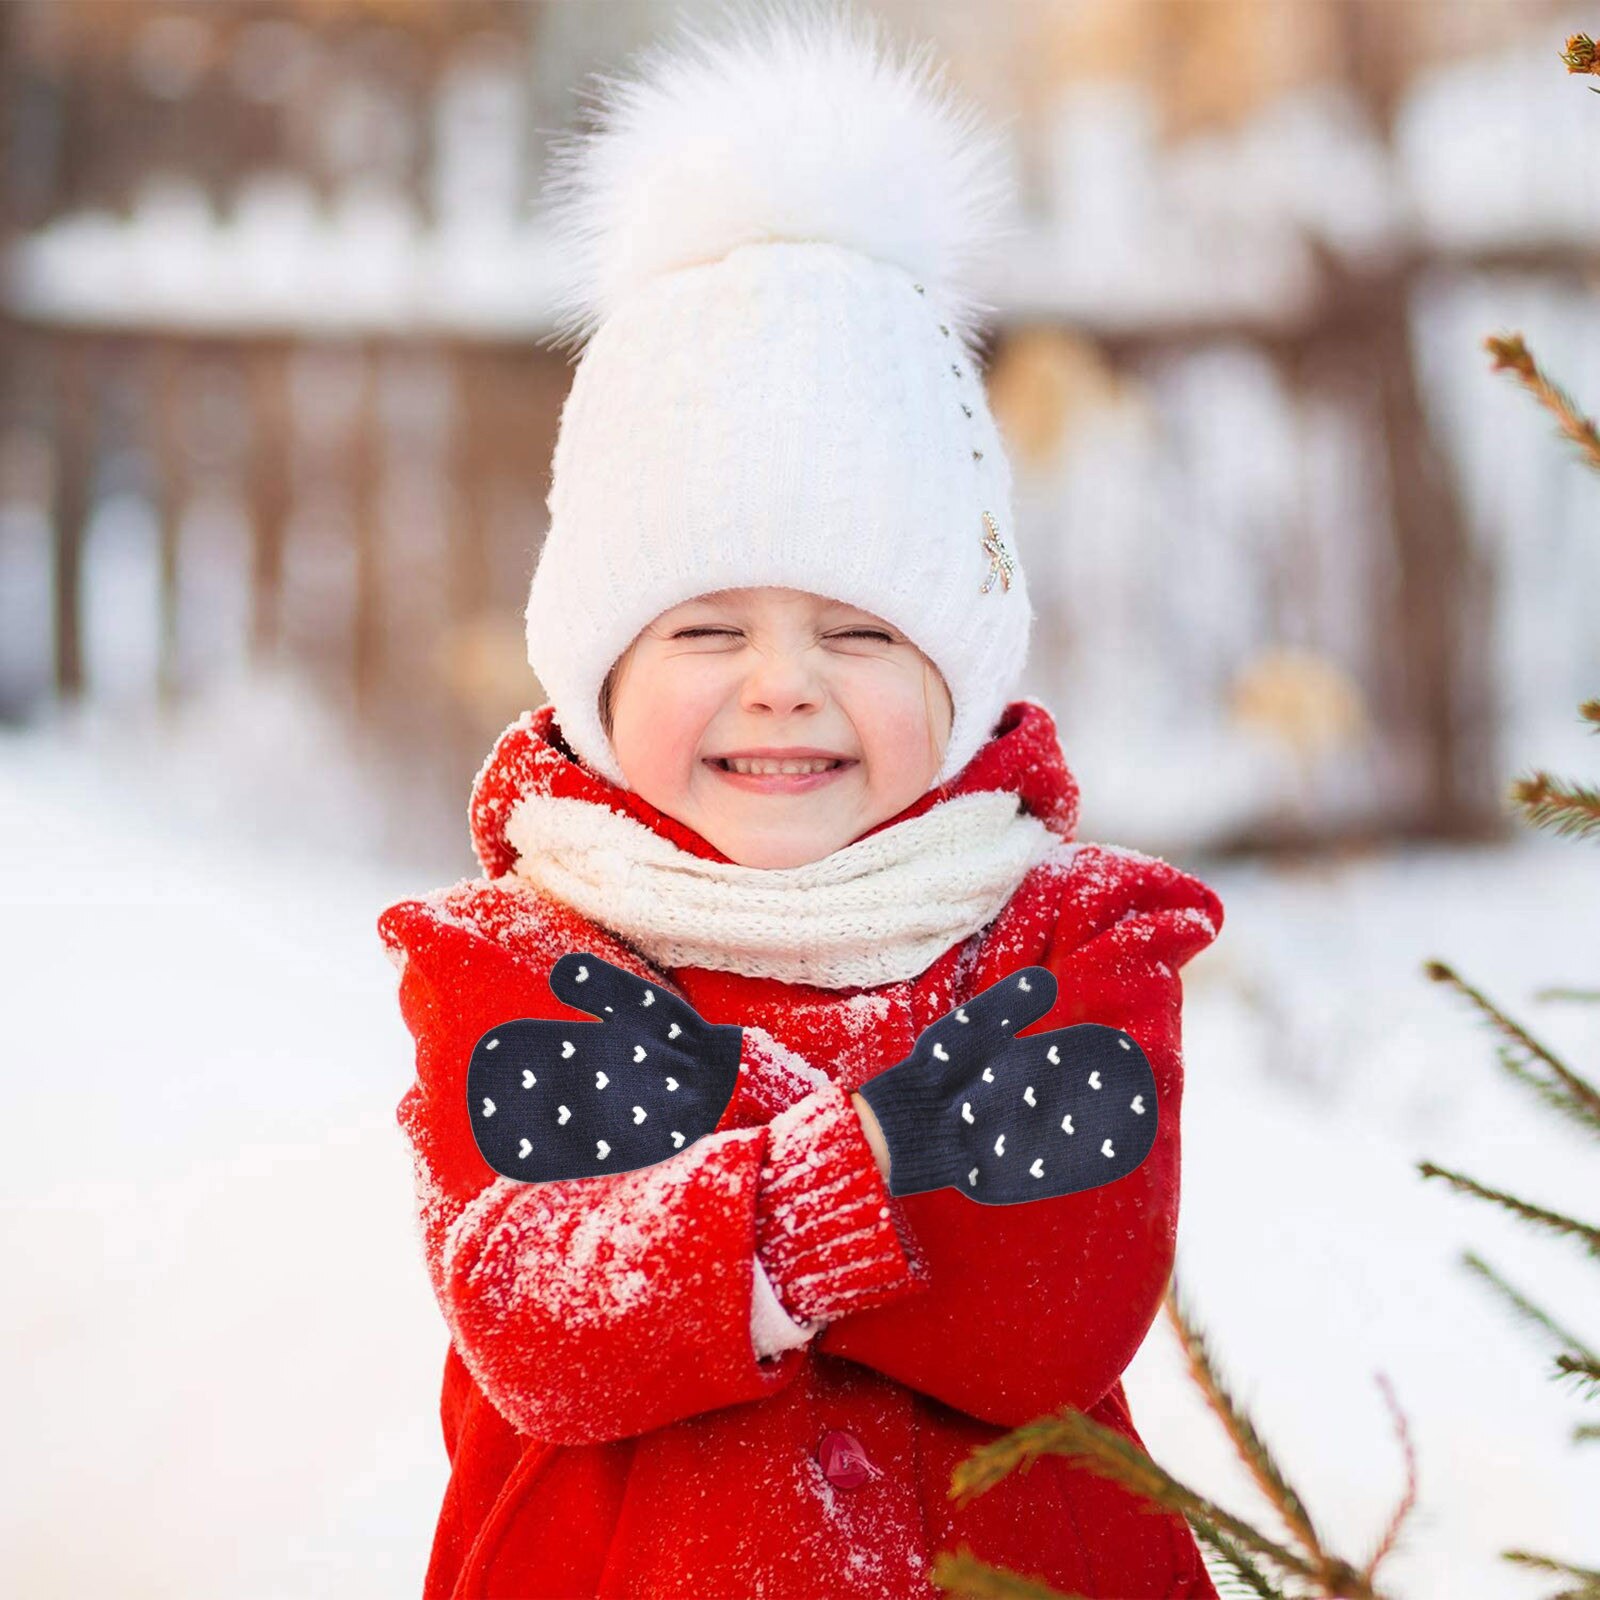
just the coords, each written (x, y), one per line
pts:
(224, 1358)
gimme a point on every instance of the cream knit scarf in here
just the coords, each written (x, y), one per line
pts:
(876, 911)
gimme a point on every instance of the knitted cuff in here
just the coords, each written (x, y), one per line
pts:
(922, 1138)
(824, 1231)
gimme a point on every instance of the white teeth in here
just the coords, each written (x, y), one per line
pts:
(758, 765)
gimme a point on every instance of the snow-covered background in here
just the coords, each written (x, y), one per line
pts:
(222, 1354)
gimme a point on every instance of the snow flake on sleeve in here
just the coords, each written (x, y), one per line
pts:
(866, 1011)
(583, 1265)
(777, 1076)
(1199, 917)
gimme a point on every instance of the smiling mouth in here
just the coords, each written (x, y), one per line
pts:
(779, 782)
(810, 768)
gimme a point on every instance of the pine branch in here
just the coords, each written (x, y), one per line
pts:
(1585, 1370)
(1526, 1558)
(964, 1574)
(1553, 1220)
(1588, 996)
(1391, 1534)
(1109, 1454)
(1581, 55)
(1524, 1308)
(1585, 1099)
(1569, 809)
(1554, 1095)
(1590, 712)
(1246, 1578)
(1251, 1449)
(1511, 354)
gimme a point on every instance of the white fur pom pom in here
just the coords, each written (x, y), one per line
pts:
(803, 125)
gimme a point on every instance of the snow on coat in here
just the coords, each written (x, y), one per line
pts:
(615, 1423)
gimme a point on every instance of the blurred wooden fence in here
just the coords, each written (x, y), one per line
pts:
(389, 491)
(379, 492)
(388, 482)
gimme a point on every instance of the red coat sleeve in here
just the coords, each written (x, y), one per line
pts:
(1031, 1307)
(589, 1309)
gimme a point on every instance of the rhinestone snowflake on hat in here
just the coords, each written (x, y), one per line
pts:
(1001, 562)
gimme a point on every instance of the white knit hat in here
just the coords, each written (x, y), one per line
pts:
(763, 241)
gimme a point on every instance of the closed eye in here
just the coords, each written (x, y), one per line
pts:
(851, 633)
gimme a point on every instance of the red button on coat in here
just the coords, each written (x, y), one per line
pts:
(844, 1462)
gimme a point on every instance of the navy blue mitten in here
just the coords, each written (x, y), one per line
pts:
(551, 1100)
(1008, 1120)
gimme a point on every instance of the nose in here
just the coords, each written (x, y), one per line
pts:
(780, 681)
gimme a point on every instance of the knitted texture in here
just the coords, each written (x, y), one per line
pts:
(876, 911)
(825, 1230)
(1004, 1120)
(554, 1099)
(770, 244)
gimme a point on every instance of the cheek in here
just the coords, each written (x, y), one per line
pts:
(891, 719)
(667, 722)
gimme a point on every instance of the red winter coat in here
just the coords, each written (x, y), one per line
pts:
(610, 1427)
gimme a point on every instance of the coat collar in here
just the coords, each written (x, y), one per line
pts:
(1022, 756)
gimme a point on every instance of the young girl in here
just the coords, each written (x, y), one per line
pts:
(781, 774)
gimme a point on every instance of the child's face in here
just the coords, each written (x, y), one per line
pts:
(753, 669)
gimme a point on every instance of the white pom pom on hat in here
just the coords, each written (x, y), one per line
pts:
(798, 125)
(766, 245)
